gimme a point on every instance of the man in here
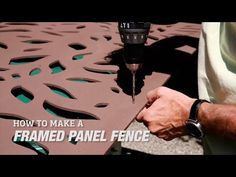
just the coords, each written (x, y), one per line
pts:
(168, 113)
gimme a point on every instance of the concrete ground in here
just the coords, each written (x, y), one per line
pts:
(179, 146)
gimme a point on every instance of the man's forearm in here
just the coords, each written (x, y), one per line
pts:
(218, 119)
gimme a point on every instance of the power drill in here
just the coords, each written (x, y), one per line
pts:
(134, 36)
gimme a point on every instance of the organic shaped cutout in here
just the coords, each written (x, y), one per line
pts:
(67, 114)
(80, 56)
(94, 38)
(22, 23)
(32, 49)
(101, 105)
(102, 63)
(11, 117)
(100, 71)
(35, 146)
(77, 46)
(60, 91)
(83, 80)
(73, 141)
(114, 89)
(36, 41)
(4, 69)
(105, 27)
(15, 30)
(52, 33)
(80, 27)
(26, 59)
(2, 79)
(2, 45)
(22, 94)
(56, 67)
(16, 76)
(35, 71)
(107, 37)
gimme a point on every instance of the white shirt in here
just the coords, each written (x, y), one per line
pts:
(217, 73)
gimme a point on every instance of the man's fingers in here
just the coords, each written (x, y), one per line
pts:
(140, 115)
(152, 96)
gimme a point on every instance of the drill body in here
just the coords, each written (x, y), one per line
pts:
(134, 36)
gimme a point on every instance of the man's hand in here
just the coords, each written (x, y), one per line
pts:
(166, 113)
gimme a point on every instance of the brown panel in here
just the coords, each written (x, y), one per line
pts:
(43, 58)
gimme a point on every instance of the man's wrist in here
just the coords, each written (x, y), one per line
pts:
(203, 113)
(193, 124)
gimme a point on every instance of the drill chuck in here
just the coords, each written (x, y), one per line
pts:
(134, 67)
(134, 32)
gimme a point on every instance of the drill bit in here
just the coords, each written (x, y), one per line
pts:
(133, 87)
(133, 69)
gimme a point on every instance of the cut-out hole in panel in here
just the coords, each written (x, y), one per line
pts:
(68, 31)
(77, 46)
(11, 117)
(26, 59)
(99, 71)
(102, 63)
(101, 105)
(80, 56)
(105, 27)
(56, 67)
(80, 27)
(35, 71)
(107, 37)
(94, 38)
(114, 89)
(32, 49)
(4, 69)
(56, 111)
(73, 140)
(35, 146)
(2, 45)
(22, 23)
(2, 79)
(15, 30)
(52, 33)
(60, 91)
(22, 94)
(36, 41)
(83, 80)
(16, 76)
